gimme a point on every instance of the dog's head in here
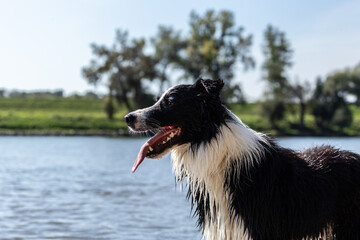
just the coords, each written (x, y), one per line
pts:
(183, 114)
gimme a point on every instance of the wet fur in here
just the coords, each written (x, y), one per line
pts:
(244, 186)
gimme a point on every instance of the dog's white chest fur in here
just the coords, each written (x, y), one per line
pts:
(205, 169)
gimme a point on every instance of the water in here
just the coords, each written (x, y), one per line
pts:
(82, 188)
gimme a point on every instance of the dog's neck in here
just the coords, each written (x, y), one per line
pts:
(204, 168)
(234, 141)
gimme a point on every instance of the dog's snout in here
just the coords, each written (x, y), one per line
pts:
(130, 119)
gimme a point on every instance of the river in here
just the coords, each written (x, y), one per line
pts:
(83, 188)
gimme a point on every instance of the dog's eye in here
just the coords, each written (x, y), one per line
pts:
(170, 100)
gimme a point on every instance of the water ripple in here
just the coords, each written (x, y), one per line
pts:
(82, 188)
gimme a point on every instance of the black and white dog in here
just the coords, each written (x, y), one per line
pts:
(241, 183)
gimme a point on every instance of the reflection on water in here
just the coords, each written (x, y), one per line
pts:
(82, 188)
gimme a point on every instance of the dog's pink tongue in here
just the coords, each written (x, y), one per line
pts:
(143, 150)
(141, 156)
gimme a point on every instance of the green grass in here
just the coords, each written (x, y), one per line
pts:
(250, 114)
(57, 115)
(77, 116)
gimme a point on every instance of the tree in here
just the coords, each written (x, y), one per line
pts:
(126, 65)
(214, 48)
(330, 107)
(234, 94)
(300, 92)
(278, 56)
(273, 110)
(355, 83)
(342, 117)
(344, 83)
(322, 106)
(109, 105)
(167, 45)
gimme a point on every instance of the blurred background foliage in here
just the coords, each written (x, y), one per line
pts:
(136, 70)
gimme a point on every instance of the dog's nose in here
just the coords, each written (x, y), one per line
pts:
(130, 119)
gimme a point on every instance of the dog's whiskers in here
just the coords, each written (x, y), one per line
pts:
(153, 122)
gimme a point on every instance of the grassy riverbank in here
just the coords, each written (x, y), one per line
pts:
(59, 116)
(66, 116)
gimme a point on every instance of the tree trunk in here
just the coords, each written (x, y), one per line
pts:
(127, 103)
(302, 115)
(121, 95)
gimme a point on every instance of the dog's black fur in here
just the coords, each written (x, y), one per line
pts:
(285, 194)
(293, 195)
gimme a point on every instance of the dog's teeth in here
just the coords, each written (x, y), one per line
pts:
(167, 139)
(151, 149)
(163, 142)
(172, 134)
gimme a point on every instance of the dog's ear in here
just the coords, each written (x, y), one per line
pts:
(209, 87)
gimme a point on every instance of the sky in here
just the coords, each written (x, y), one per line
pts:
(45, 43)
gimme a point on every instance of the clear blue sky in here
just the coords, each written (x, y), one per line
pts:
(44, 44)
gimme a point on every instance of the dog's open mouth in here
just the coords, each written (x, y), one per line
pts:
(158, 144)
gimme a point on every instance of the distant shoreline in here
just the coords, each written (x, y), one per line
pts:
(86, 117)
(123, 133)
(74, 133)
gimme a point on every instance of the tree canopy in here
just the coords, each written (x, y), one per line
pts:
(331, 98)
(278, 54)
(167, 45)
(214, 47)
(127, 66)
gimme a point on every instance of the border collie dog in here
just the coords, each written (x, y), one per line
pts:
(243, 185)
